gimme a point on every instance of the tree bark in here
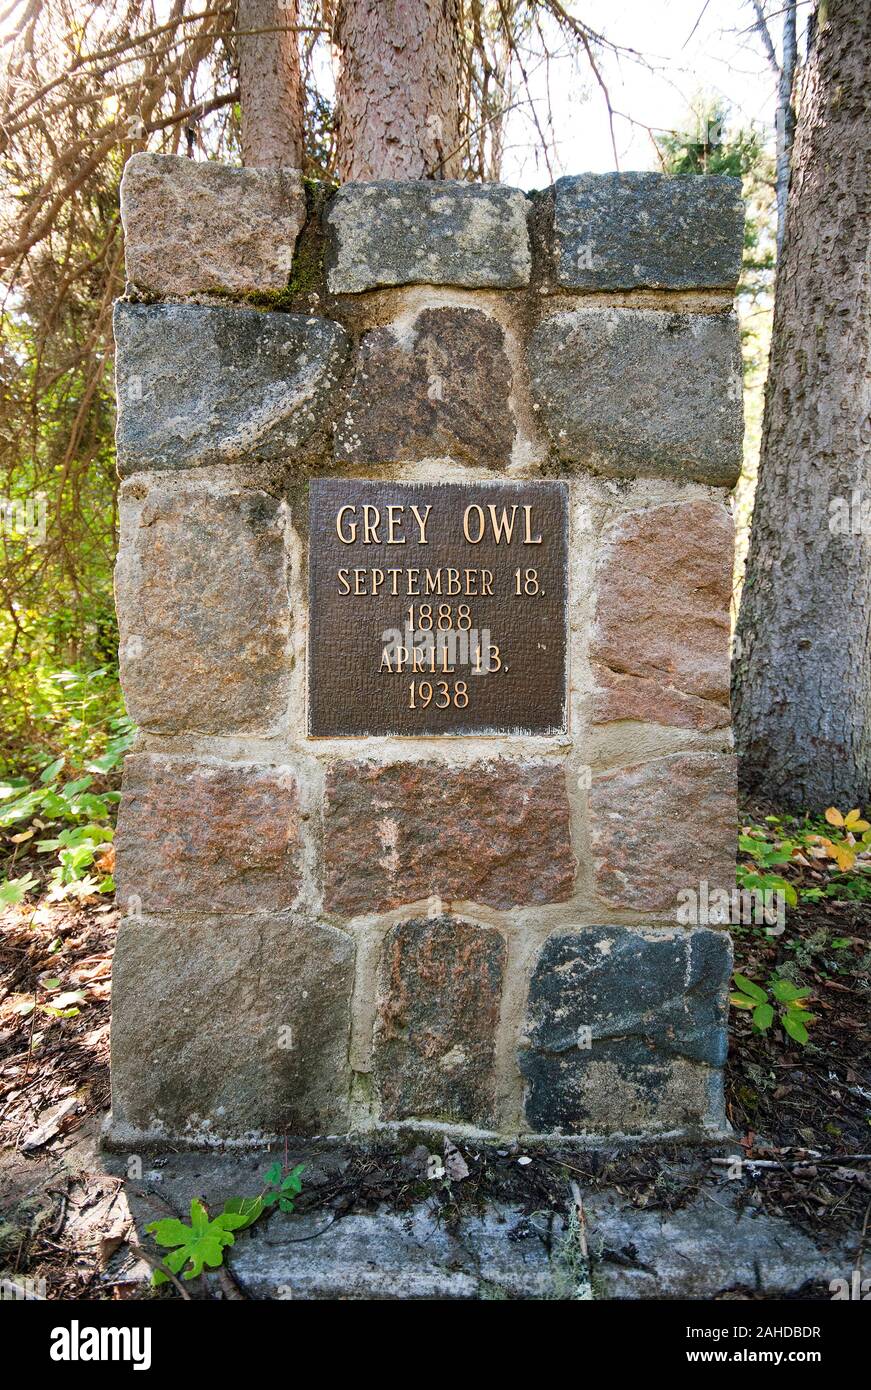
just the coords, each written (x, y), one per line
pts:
(270, 83)
(398, 99)
(802, 672)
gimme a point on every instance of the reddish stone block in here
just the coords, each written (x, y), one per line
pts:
(492, 832)
(663, 826)
(440, 989)
(207, 837)
(660, 641)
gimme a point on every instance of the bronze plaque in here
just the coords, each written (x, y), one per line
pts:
(437, 608)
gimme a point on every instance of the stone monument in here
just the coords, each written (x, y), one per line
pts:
(423, 588)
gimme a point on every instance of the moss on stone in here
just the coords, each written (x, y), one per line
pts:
(307, 274)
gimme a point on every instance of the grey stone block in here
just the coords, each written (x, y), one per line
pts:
(195, 226)
(203, 385)
(715, 1244)
(400, 1255)
(229, 1028)
(641, 391)
(623, 231)
(654, 1003)
(427, 232)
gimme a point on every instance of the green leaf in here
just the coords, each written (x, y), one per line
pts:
(270, 1198)
(21, 809)
(107, 760)
(65, 1005)
(795, 1028)
(201, 1243)
(748, 987)
(742, 1001)
(790, 894)
(749, 844)
(763, 1017)
(14, 889)
(285, 1204)
(49, 773)
(174, 1261)
(169, 1231)
(72, 789)
(247, 1207)
(786, 991)
(293, 1181)
(273, 1174)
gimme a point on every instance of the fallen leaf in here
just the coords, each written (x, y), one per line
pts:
(106, 860)
(455, 1165)
(84, 973)
(112, 1241)
(50, 1126)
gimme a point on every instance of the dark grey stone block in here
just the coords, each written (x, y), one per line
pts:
(654, 1004)
(427, 232)
(641, 391)
(623, 231)
(203, 385)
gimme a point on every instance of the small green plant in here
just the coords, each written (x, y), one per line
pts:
(201, 1243)
(788, 1006)
(765, 856)
(14, 890)
(79, 816)
(204, 1241)
(808, 858)
(281, 1191)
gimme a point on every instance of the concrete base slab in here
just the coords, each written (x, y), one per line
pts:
(462, 1244)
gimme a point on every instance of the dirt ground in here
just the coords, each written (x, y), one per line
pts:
(800, 1114)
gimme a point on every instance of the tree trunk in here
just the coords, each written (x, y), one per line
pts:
(270, 83)
(785, 113)
(398, 102)
(802, 672)
(785, 117)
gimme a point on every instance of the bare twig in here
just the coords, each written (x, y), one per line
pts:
(155, 1263)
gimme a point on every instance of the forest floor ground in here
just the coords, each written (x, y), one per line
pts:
(72, 1217)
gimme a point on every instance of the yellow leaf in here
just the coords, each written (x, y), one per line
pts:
(834, 817)
(854, 821)
(106, 861)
